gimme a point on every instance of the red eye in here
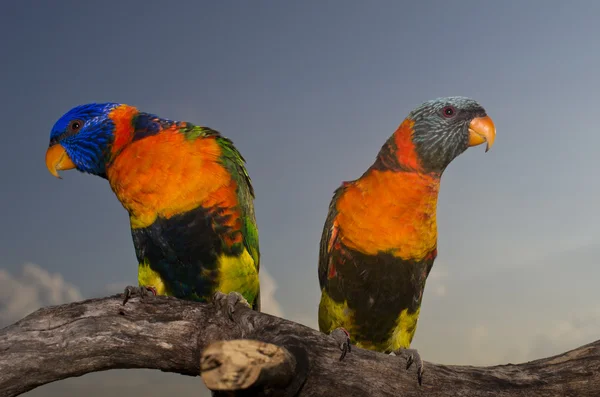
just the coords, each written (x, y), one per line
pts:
(448, 111)
(75, 126)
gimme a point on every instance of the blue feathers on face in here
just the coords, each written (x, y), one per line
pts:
(86, 133)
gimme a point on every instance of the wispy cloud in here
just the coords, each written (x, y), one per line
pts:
(268, 286)
(35, 287)
(579, 328)
(436, 280)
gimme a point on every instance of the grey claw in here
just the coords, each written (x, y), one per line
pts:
(141, 291)
(127, 294)
(342, 337)
(230, 300)
(413, 357)
(409, 361)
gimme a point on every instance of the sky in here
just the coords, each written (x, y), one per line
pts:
(309, 91)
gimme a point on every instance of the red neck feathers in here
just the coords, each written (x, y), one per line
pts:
(122, 116)
(406, 154)
(399, 152)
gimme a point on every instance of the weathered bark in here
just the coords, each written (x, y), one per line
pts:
(243, 363)
(171, 335)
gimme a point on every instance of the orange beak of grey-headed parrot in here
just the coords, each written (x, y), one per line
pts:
(482, 130)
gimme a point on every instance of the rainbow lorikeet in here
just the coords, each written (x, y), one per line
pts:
(379, 241)
(187, 191)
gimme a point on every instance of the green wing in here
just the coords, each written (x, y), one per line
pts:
(234, 162)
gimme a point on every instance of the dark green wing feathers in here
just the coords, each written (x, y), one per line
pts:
(234, 162)
(185, 249)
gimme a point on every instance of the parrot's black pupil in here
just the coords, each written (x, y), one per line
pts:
(449, 111)
(75, 126)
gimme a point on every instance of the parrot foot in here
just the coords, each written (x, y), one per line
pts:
(229, 300)
(413, 357)
(342, 337)
(141, 291)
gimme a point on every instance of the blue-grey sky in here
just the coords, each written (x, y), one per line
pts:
(309, 91)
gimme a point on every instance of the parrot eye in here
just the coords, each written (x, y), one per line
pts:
(448, 111)
(75, 126)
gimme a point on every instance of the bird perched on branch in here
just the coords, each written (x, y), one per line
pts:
(379, 241)
(189, 198)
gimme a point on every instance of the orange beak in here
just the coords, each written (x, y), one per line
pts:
(57, 159)
(481, 130)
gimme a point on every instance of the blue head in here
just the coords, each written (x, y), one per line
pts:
(82, 139)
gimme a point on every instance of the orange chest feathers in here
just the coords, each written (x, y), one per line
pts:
(167, 174)
(392, 212)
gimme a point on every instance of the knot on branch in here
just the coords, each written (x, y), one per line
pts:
(240, 364)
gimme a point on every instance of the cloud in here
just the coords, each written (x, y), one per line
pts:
(436, 281)
(490, 344)
(35, 287)
(478, 334)
(440, 290)
(575, 330)
(268, 286)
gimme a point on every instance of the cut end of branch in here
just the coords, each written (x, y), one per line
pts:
(240, 364)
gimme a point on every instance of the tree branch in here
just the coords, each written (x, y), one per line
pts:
(242, 363)
(172, 335)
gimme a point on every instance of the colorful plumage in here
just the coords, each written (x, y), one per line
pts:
(189, 197)
(379, 241)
